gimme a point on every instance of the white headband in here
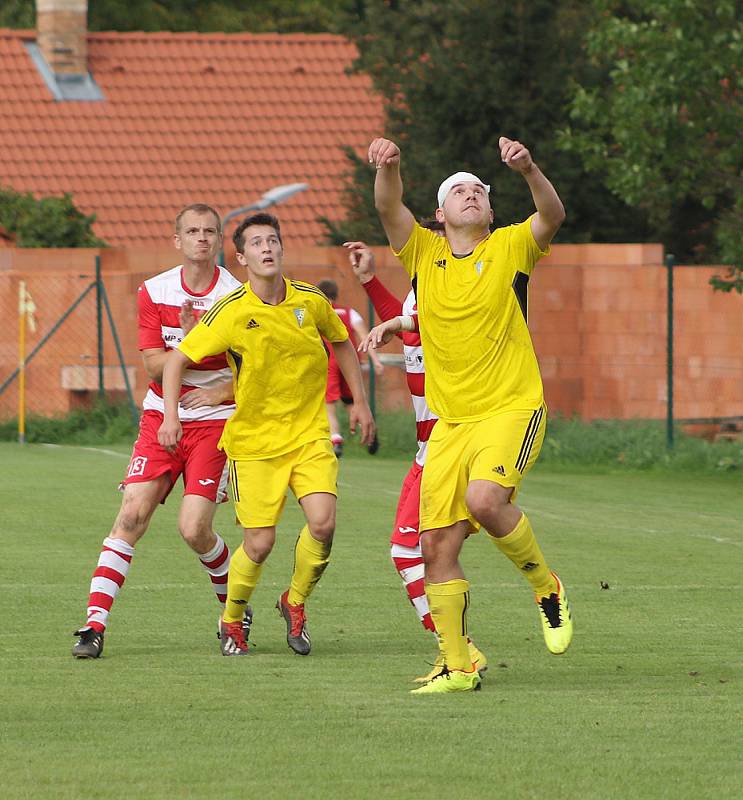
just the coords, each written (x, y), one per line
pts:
(453, 180)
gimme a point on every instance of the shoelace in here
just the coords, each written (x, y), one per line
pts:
(296, 615)
(443, 674)
(235, 632)
(550, 607)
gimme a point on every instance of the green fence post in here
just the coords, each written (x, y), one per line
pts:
(99, 324)
(117, 343)
(57, 325)
(670, 261)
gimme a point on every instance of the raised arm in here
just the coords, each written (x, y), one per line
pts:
(362, 263)
(550, 210)
(397, 220)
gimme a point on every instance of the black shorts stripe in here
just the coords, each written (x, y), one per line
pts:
(233, 482)
(208, 318)
(531, 433)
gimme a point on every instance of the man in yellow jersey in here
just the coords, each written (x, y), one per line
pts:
(483, 381)
(272, 329)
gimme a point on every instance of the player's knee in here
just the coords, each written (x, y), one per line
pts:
(259, 550)
(197, 534)
(131, 522)
(486, 500)
(434, 547)
(323, 529)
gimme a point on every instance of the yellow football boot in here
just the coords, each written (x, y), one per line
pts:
(557, 622)
(476, 656)
(438, 666)
(454, 681)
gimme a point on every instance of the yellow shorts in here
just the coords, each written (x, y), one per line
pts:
(259, 487)
(501, 449)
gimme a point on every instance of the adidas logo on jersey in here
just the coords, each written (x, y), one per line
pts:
(441, 263)
(252, 324)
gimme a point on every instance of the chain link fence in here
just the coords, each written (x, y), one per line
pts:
(607, 346)
(67, 333)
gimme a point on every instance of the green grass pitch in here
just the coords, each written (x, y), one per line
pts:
(648, 703)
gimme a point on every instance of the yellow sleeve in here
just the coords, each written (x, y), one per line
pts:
(329, 323)
(412, 251)
(523, 247)
(203, 341)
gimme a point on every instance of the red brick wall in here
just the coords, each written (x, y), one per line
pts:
(597, 314)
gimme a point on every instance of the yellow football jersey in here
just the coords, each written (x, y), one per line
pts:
(279, 366)
(472, 311)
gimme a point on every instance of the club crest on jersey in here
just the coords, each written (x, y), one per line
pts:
(299, 314)
(478, 267)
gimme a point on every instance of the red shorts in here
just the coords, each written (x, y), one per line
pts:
(407, 517)
(337, 389)
(203, 466)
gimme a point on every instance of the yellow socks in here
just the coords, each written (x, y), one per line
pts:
(242, 577)
(448, 603)
(520, 545)
(310, 559)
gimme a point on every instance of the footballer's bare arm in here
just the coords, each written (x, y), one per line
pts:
(550, 210)
(397, 220)
(359, 414)
(170, 431)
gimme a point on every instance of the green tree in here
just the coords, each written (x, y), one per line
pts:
(459, 75)
(230, 16)
(47, 222)
(17, 14)
(666, 127)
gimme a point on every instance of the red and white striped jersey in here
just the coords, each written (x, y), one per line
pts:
(388, 306)
(159, 301)
(415, 370)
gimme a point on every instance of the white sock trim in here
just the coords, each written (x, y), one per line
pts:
(119, 545)
(215, 551)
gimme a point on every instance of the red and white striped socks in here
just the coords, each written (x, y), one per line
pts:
(113, 566)
(217, 563)
(108, 578)
(408, 562)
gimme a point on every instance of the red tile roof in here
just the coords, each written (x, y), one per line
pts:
(188, 117)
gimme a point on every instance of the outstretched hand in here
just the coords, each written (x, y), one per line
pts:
(383, 152)
(380, 335)
(515, 155)
(362, 260)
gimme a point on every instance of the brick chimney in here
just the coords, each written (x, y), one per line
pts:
(62, 28)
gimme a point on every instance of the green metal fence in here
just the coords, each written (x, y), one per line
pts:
(75, 329)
